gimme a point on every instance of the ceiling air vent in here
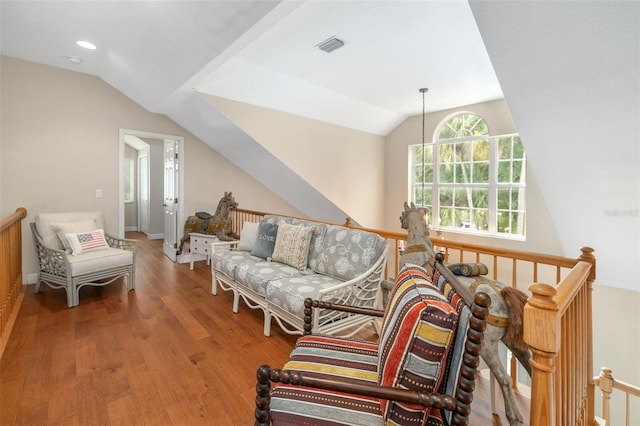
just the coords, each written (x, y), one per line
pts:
(331, 44)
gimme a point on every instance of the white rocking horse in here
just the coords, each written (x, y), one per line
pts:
(505, 313)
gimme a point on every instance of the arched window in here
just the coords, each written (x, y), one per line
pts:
(470, 180)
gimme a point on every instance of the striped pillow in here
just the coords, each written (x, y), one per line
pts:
(322, 356)
(417, 333)
(454, 364)
(335, 356)
(298, 405)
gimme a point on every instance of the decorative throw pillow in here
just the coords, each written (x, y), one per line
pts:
(71, 227)
(82, 242)
(415, 341)
(248, 236)
(456, 357)
(292, 245)
(265, 240)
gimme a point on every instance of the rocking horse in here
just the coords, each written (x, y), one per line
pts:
(219, 224)
(505, 313)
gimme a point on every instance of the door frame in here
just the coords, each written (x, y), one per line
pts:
(150, 135)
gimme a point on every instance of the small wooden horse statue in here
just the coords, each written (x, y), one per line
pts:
(505, 313)
(219, 224)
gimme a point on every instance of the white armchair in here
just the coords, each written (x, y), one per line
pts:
(73, 251)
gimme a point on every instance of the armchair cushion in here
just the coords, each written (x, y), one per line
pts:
(70, 227)
(322, 356)
(299, 405)
(49, 225)
(335, 356)
(92, 261)
(289, 292)
(346, 253)
(417, 333)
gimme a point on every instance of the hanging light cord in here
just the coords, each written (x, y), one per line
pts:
(424, 157)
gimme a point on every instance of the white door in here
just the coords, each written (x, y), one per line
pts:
(143, 196)
(171, 196)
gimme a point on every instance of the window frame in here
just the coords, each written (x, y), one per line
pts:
(493, 186)
(129, 180)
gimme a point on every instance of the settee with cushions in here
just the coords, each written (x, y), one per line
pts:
(74, 251)
(281, 261)
(421, 372)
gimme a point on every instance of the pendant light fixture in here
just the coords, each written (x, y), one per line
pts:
(423, 90)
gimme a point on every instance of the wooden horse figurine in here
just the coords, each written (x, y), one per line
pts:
(505, 313)
(219, 224)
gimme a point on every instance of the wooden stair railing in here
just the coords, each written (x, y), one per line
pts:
(563, 358)
(11, 272)
(558, 329)
(607, 383)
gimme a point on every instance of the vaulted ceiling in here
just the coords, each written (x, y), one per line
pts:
(163, 55)
(265, 53)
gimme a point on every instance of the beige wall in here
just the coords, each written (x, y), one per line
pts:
(59, 143)
(345, 165)
(541, 236)
(616, 336)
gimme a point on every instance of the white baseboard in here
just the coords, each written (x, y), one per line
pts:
(31, 278)
(155, 236)
(130, 229)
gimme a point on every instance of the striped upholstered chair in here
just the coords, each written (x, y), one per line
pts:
(421, 372)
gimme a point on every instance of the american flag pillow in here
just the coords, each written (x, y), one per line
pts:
(81, 242)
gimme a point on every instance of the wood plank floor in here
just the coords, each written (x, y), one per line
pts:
(168, 353)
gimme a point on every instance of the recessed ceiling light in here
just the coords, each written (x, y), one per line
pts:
(74, 60)
(86, 44)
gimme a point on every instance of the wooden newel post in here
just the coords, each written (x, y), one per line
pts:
(586, 254)
(542, 334)
(605, 383)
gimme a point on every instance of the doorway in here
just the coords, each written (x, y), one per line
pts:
(155, 185)
(144, 201)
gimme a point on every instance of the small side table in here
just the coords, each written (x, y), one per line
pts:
(200, 247)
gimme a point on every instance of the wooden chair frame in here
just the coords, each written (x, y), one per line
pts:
(459, 404)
